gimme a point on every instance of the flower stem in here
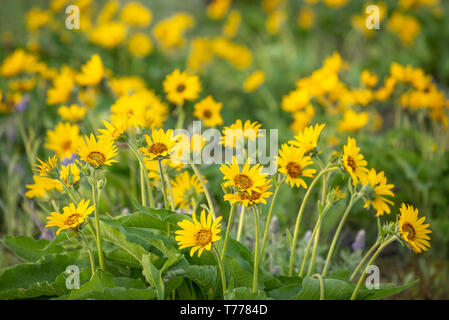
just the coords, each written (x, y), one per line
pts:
(142, 165)
(267, 225)
(241, 221)
(164, 188)
(300, 212)
(371, 261)
(352, 201)
(172, 199)
(256, 250)
(206, 191)
(97, 221)
(362, 262)
(91, 258)
(142, 185)
(228, 230)
(220, 266)
(312, 237)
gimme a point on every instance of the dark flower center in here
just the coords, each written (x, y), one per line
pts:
(243, 181)
(294, 170)
(351, 163)
(411, 233)
(96, 157)
(158, 148)
(203, 237)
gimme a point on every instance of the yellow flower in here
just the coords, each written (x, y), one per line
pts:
(186, 189)
(73, 113)
(251, 198)
(140, 45)
(181, 86)
(71, 218)
(17, 62)
(45, 167)
(41, 185)
(254, 81)
(335, 3)
(92, 72)
(208, 110)
(201, 54)
(406, 27)
(368, 79)
(113, 130)
(306, 17)
(239, 131)
(352, 121)
(62, 87)
(63, 140)
(295, 100)
(57, 5)
(232, 24)
(248, 179)
(22, 84)
(71, 169)
(217, 9)
(198, 234)
(169, 32)
(37, 18)
(97, 153)
(160, 144)
(275, 20)
(353, 161)
(136, 15)
(108, 11)
(413, 230)
(293, 164)
(126, 85)
(240, 56)
(308, 139)
(108, 35)
(378, 182)
(302, 118)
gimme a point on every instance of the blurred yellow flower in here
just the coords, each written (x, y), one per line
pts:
(63, 140)
(74, 113)
(208, 110)
(181, 86)
(136, 15)
(92, 72)
(352, 121)
(377, 199)
(254, 81)
(108, 35)
(217, 9)
(140, 45)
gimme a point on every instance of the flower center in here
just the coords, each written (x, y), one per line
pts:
(96, 157)
(294, 170)
(72, 220)
(181, 87)
(243, 181)
(67, 145)
(351, 163)
(207, 114)
(158, 148)
(411, 233)
(203, 237)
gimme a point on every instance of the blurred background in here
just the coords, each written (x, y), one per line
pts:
(288, 40)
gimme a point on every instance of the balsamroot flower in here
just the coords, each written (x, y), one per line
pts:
(198, 234)
(413, 230)
(71, 218)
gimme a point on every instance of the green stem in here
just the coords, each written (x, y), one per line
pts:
(256, 250)
(206, 191)
(147, 180)
(267, 225)
(97, 220)
(68, 190)
(241, 222)
(220, 266)
(309, 245)
(298, 219)
(164, 188)
(91, 258)
(170, 191)
(228, 230)
(371, 261)
(362, 262)
(142, 185)
(352, 201)
(320, 279)
(181, 117)
(315, 246)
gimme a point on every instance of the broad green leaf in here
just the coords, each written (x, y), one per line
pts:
(152, 275)
(384, 291)
(243, 293)
(30, 249)
(41, 278)
(334, 289)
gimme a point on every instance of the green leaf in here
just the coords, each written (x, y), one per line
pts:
(385, 290)
(103, 286)
(152, 275)
(334, 289)
(30, 249)
(243, 293)
(41, 278)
